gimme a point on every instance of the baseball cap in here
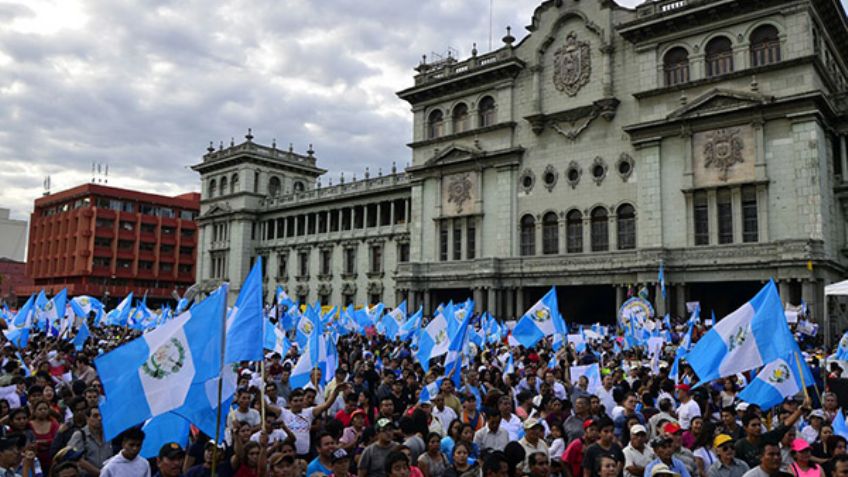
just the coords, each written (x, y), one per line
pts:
(531, 423)
(721, 439)
(171, 450)
(683, 387)
(358, 412)
(638, 429)
(661, 441)
(672, 428)
(817, 413)
(278, 457)
(384, 423)
(742, 407)
(588, 423)
(799, 445)
(9, 442)
(339, 454)
(662, 469)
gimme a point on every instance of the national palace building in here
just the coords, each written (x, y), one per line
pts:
(706, 135)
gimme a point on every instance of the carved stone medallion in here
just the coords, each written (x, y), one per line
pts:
(459, 191)
(723, 149)
(572, 65)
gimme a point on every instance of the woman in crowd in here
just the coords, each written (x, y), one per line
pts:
(432, 462)
(462, 466)
(44, 429)
(803, 466)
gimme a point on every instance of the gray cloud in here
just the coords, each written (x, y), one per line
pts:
(145, 84)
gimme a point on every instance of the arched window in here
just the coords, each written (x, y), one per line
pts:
(224, 185)
(486, 109)
(234, 184)
(528, 235)
(765, 45)
(574, 232)
(435, 124)
(626, 227)
(719, 56)
(600, 230)
(299, 187)
(274, 186)
(213, 188)
(676, 66)
(550, 234)
(461, 120)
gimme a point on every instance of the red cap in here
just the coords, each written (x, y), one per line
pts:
(671, 428)
(587, 423)
(683, 387)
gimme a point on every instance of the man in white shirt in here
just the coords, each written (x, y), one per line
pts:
(492, 436)
(244, 413)
(688, 408)
(605, 395)
(445, 414)
(298, 420)
(127, 462)
(637, 455)
(509, 420)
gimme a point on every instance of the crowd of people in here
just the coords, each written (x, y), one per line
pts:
(528, 417)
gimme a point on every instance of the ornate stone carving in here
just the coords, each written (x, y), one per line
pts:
(573, 174)
(625, 166)
(349, 288)
(598, 170)
(527, 180)
(723, 149)
(459, 191)
(572, 65)
(550, 177)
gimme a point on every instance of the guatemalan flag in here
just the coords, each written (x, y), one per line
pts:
(120, 315)
(754, 335)
(411, 326)
(429, 391)
(777, 381)
(393, 321)
(245, 323)
(276, 340)
(541, 320)
(842, 350)
(153, 374)
(433, 341)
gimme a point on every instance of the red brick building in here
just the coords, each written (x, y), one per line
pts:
(12, 276)
(106, 242)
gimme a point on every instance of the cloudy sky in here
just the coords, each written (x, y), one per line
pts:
(144, 85)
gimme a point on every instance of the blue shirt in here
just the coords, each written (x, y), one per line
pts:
(676, 466)
(317, 466)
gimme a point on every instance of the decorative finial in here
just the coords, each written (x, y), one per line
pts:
(318, 183)
(474, 49)
(509, 39)
(232, 141)
(353, 179)
(367, 173)
(291, 148)
(310, 152)
(329, 182)
(211, 148)
(274, 144)
(394, 167)
(683, 98)
(341, 178)
(380, 172)
(221, 146)
(249, 135)
(755, 87)
(423, 59)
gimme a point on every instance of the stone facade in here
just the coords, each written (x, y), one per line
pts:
(707, 135)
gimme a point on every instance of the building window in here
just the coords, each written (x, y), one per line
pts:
(457, 241)
(719, 56)
(302, 298)
(102, 262)
(626, 227)
(299, 187)
(283, 265)
(471, 241)
(347, 299)
(376, 298)
(600, 230)
(128, 226)
(550, 234)
(274, 187)
(574, 232)
(676, 66)
(324, 298)
(350, 261)
(724, 203)
(487, 111)
(224, 185)
(750, 227)
(256, 181)
(765, 45)
(326, 259)
(376, 259)
(435, 124)
(528, 235)
(213, 188)
(234, 184)
(124, 264)
(443, 243)
(701, 218)
(461, 120)
(303, 263)
(403, 252)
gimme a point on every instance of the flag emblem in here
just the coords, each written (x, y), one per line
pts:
(779, 374)
(542, 314)
(441, 336)
(168, 359)
(843, 343)
(306, 327)
(84, 301)
(738, 339)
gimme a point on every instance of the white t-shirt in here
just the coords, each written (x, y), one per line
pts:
(251, 417)
(119, 466)
(633, 457)
(299, 425)
(686, 412)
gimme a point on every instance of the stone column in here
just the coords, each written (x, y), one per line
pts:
(613, 232)
(519, 301)
(680, 299)
(379, 221)
(492, 302)
(392, 212)
(649, 228)
(620, 295)
(509, 305)
(365, 216)
(843, 147)
(477, 293)
(428, 310)
(660, 301)
(783, 290)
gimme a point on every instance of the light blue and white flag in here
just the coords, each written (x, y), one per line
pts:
(23, 319)
(510, 365)
(121, 313)
(245, 324)
(453, 360)
(19, 337)
(305, 327)
(153, 374)
(592, 373)
(842, 350)
(164, 429)
(412, 325)
(661, 279)
(54, 310)
(82, 336)
(84, 305)
(429, 391)
(276, 340)
(754, 335)
(393, 321)
(314, 356)
(777, 381)
(839, 426)
(541, 320)
(433, 341)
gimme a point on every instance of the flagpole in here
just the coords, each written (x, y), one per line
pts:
(801, 372)
(262, 393)
(220, 385)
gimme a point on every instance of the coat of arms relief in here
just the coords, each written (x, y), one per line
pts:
(572, 65)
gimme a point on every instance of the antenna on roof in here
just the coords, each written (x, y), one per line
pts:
(47, 185)
(93, 171)
(106, 176)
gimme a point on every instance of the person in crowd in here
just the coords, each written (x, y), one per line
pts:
(432, 462)
(90, 441)
(769, 464)
(637, 455)
(803, 466)
(727, 464)
(462, 466)
(492, 436)
(127, 462)
(663, 447)
(605, 445)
